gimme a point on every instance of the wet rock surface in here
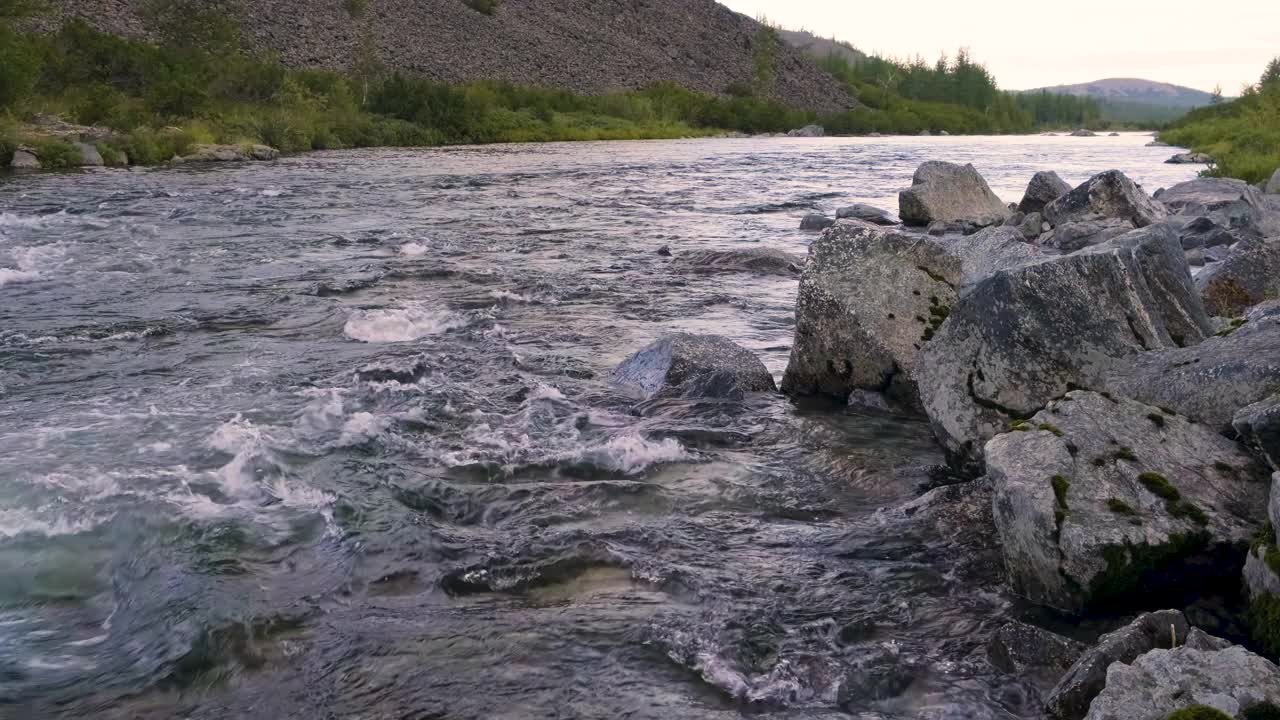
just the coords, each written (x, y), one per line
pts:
(770, 261)
(692, 366)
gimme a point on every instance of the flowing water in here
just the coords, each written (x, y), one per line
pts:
(332, 438)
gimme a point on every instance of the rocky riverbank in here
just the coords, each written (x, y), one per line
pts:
(1105, 364)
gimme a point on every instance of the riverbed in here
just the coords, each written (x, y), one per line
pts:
(332, 437)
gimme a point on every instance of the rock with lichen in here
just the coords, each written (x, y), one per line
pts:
(1030, 333)
(950, 193)
(1188, 682)
(870, 298)
(1101, 502)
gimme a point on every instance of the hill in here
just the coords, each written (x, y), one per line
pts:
(820, 47)
(584, 46)
(1133, 91)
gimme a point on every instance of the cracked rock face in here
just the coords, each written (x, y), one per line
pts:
(1086, 677)
(1210, 381)
(693, 366)
(1029, 334)
(1163, 681)
(871, 298)
(950, 193)
(1107, 196)
(1101, 501)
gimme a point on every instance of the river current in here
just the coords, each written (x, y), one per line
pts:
(332, 438)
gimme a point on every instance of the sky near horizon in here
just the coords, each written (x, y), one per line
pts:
(1027, 45)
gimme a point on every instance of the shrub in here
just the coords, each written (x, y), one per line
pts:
(20, 65)
(1199, 712)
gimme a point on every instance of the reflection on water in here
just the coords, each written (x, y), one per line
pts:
(331, 438)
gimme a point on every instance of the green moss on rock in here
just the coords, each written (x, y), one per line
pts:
(1132, 569)
(1156, 418)
(1060, 487)
(1125, 453)
(1050, 427)
(1120, 507)
(1264, 622)
(1159, 486)
(1199, 712)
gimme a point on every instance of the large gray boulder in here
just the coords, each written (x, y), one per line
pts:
(692, 366)
(1249, 275)
(1190, 158)
(1107, 502)
(763, 260)
(1273, 185)
(1088, 675)
(808, 131)
(867, 213)
(1233, 204)
(1044, 188)
(1105, 196)
(816, 221)
(1210, 381)
(231, 153)
(1162, 682)
(24, 159)
(89, 155)
(871, 298)
(1029, 334)
(942, 191)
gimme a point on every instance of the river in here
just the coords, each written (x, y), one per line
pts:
(331, 438)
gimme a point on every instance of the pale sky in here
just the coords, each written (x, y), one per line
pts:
(1028, 44)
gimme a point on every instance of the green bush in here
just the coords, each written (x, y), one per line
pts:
(20, 65)
(56, 154)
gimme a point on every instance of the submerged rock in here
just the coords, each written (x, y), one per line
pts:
(770, 261)
(1044, 188)
(1018, 648)
(1103, 502)
(1162, 682)
(697, 366)
(1210, 381)
(816, 221)
(1249, 275)
(230, 153)
(946, 192)
(1190, 158)
(1084, 133)
(867, 213)
(1029, 334)
(1086, 678)
(1106, 196)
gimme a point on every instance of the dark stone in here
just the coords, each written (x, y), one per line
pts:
(1044, 188)
(867, 213)
(1249, 274)
(763, 260)
(685, 365)
(1088, 676)
(816, 221)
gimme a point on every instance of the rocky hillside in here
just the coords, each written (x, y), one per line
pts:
(587, 46)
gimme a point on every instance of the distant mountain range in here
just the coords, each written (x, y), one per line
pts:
(1135, 91)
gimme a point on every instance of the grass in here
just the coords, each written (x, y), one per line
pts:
(1242, 136)
(1199, 712)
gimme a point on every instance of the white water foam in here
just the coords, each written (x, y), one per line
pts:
(414, 249)
(630, 454)
(401, 324)
(9, 276)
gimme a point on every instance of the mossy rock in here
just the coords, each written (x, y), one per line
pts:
(1199, 712)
